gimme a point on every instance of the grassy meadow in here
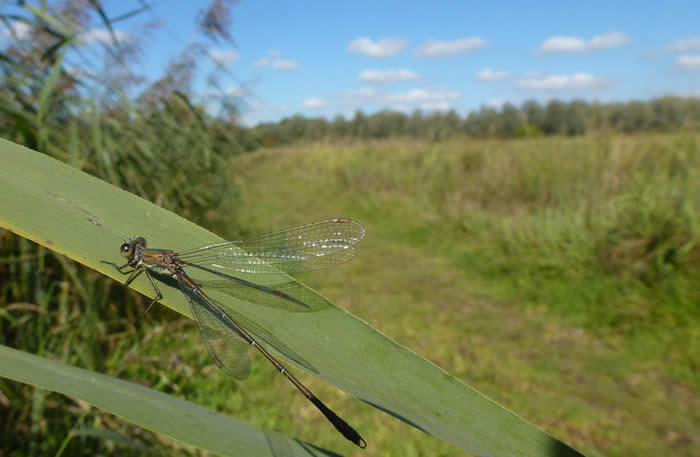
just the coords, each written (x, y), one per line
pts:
(558, 276)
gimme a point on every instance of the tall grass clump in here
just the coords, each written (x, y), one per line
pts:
(604, 229)
(81, 103)
(566, 268)
(613, 232)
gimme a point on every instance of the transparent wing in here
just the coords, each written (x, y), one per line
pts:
(228, 349)
(226, 345)
(269, 340)
(307, 247)
(290, 296)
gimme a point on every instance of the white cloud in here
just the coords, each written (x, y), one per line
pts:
(362, 96)
(418, 96)
(272, 60)
(388, 76)
(314, 103)
(574, 82)
(423, 98)
(277, 64)
(223, 57)
(559, 44)
(284, 64)
(608, 41)
(363, 92)
(689, 44)
(426, 106)
(381, 49)
(17, 30)
(565, 44)
(688, 62)
(104, 36)
(435, 48)
(488, 74)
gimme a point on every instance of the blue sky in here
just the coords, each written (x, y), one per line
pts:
(322, 58)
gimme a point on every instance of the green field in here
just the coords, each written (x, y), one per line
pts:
(557, 276)
(547, 254)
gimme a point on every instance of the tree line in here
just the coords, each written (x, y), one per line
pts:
(530, 119)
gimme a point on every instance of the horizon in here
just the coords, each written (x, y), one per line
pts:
(325, 60)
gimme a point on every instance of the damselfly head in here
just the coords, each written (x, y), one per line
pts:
(127, 249)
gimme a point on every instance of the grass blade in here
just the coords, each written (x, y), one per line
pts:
(178, 419)
(87, 219)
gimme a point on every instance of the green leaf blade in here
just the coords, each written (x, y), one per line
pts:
(87, 220)
(178, 419)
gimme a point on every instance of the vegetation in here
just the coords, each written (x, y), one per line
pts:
(556, 275)
(531, 119)
(603, 231)
(156, 144)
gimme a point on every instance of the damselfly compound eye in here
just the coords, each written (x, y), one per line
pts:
(126, 249)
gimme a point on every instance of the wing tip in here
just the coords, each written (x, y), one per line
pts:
(347, 220)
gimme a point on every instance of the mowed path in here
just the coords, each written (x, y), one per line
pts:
(590, 393)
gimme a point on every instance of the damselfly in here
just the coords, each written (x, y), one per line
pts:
(224, 330)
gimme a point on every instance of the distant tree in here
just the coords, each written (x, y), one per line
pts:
(340, 128)
(360, 126)
(511, 119)
(533, 112)
(554, 122)
(576, 117)
(452, 120)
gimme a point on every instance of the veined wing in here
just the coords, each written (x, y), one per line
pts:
(289, 296)
(228, 348)
(226, 345)
(307, 247)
